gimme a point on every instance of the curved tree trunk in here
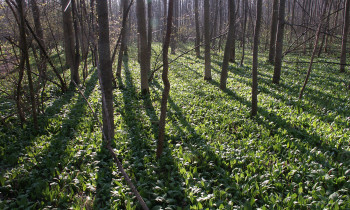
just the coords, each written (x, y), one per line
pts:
(163, 109)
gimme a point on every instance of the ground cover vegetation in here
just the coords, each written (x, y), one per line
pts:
(216, 123)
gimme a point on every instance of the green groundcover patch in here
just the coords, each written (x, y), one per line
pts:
(293, 154)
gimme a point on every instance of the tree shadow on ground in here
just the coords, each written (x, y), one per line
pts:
(321, 99)
(17, 140)
(150, 177)
(56, 158)
(313, 140)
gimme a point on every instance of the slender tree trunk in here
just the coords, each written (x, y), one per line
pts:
(229, 42)
(77, 46)
(174, 35)
(144, 52)
(318, 32)
(255, 59)
(105, 69)
(150, 25)
(40, 34)
(163, 109)
(233, 45)
(25, 57)
(207, 75)
(164, 18)
(42, 64)
(123, 34)
(198, 36)
(279, 43)
(274, 24)
(245, 5)
(69, 39)
(345, 37)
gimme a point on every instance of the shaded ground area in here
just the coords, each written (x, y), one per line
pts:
(294, 154)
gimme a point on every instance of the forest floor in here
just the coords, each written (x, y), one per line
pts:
(294, 154)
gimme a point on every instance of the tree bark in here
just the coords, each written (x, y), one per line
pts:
(229, 42)
(144, 52)
(244, 30)
(279, 43)
(207, 74)
(25, 57)
(198, 35)
(123, 34)
(40, 34)
(174, 35)
(150, 25)
(69, 39)
(255, 59)
(345, 37)
(273, 32)
(105, 69)
(165, 95)
(77, 46)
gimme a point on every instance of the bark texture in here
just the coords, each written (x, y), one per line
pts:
(345, 37)
(228, 48)
(207, 58)
(279, 43)
(144, 52)
(165, 95)
(105, 69)
(255, 59)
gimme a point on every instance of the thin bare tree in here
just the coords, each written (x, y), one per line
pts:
(165, 95)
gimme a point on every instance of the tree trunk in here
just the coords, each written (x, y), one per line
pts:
(163, 109)
(144, 52)
(123, 38)
(40, 34)
(279, 43)
(174, 35)
(273, 31)
(25, 57)
(229, 42)
(150, 25)
(198, 36)
(207, 75)
(345, 37)
(76, 78)
(105, 70)
(69, 40)
(255, 59)
(318, 32)
(244, 29)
